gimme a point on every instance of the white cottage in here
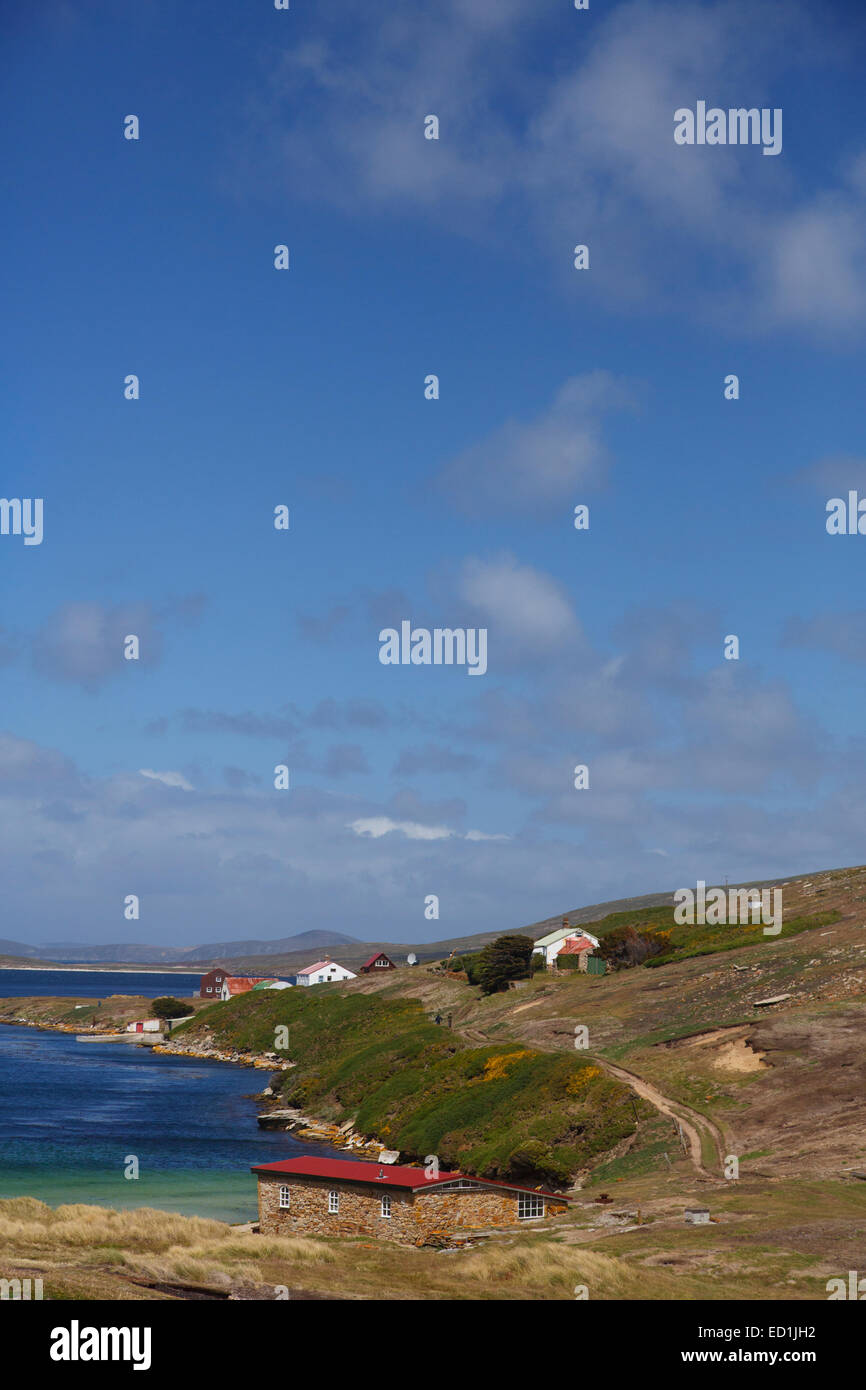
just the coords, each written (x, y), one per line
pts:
(550, 945)
(323, 972)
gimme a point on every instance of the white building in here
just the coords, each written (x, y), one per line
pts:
(551, 944)
(323, 972)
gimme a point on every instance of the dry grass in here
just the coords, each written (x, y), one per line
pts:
(92, 1252)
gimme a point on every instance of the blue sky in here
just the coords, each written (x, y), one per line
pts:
(306, 387)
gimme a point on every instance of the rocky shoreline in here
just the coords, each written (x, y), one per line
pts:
(274, 1116)
(49, 1027)
(287, 1118)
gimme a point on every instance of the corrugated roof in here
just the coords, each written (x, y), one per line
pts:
(241, 984)
(580, 943)
(393, 1174)
(321, 965)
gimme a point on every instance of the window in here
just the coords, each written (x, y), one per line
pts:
(285, 1197)
(386, 1205)
(529, 1206)
(333, 1201)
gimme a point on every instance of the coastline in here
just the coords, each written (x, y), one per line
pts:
(313, 1128)
(289, 1119)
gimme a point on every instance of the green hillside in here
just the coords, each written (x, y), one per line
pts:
(500, 1110)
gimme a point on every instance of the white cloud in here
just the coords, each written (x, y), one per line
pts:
(527, 611)
(377, 826)
(585, 152)
(539, 463)
(170, 779)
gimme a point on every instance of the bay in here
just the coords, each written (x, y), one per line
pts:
(72, 1115)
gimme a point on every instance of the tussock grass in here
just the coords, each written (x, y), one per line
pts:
(545, 1269)
(26, 1221)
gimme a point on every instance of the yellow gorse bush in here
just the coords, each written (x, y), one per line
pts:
(581, 1080)
(496, 1068)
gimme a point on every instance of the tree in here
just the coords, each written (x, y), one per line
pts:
(506, 958)
(625, 946)
(168, 1007)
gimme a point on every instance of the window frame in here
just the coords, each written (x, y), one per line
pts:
(386, 1198)
(333, 1202)
(285, 1193)
(525, 1199)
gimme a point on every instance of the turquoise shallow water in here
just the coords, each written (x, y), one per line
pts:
(72, 1113)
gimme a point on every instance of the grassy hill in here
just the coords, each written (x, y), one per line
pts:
(780, 1087)
(689, 1025)
(422, 1088)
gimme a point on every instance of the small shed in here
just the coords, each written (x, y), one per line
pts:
(580, 946)
(697, 1216)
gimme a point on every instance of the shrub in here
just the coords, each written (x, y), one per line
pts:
(507, 958)
(534, 1161)
(469, 964)
(168, 1007)
(568, 960)
(625, 946)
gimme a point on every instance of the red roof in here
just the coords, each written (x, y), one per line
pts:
(321, 965)
(240, 984)
(380, 955)
(393, 1174)
(574, 946)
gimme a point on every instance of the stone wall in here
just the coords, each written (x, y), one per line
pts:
(413, 1214)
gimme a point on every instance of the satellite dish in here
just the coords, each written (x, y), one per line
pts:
(411, 959)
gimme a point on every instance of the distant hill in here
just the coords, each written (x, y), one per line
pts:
(355, 954)
(132, 951)
(287, 954)
(303, 941)
(139, 953)
(17, 948)
(24, 962)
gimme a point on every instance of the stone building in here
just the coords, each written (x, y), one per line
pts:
(344, 1197)
(580, 946)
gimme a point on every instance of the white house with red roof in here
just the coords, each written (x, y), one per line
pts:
(551, 944)
(322, 972)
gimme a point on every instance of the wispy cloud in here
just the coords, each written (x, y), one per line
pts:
(169, 779)
(537, 465)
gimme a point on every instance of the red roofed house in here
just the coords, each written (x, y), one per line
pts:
(323, 971)
(377, 963)
(345, 1197)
